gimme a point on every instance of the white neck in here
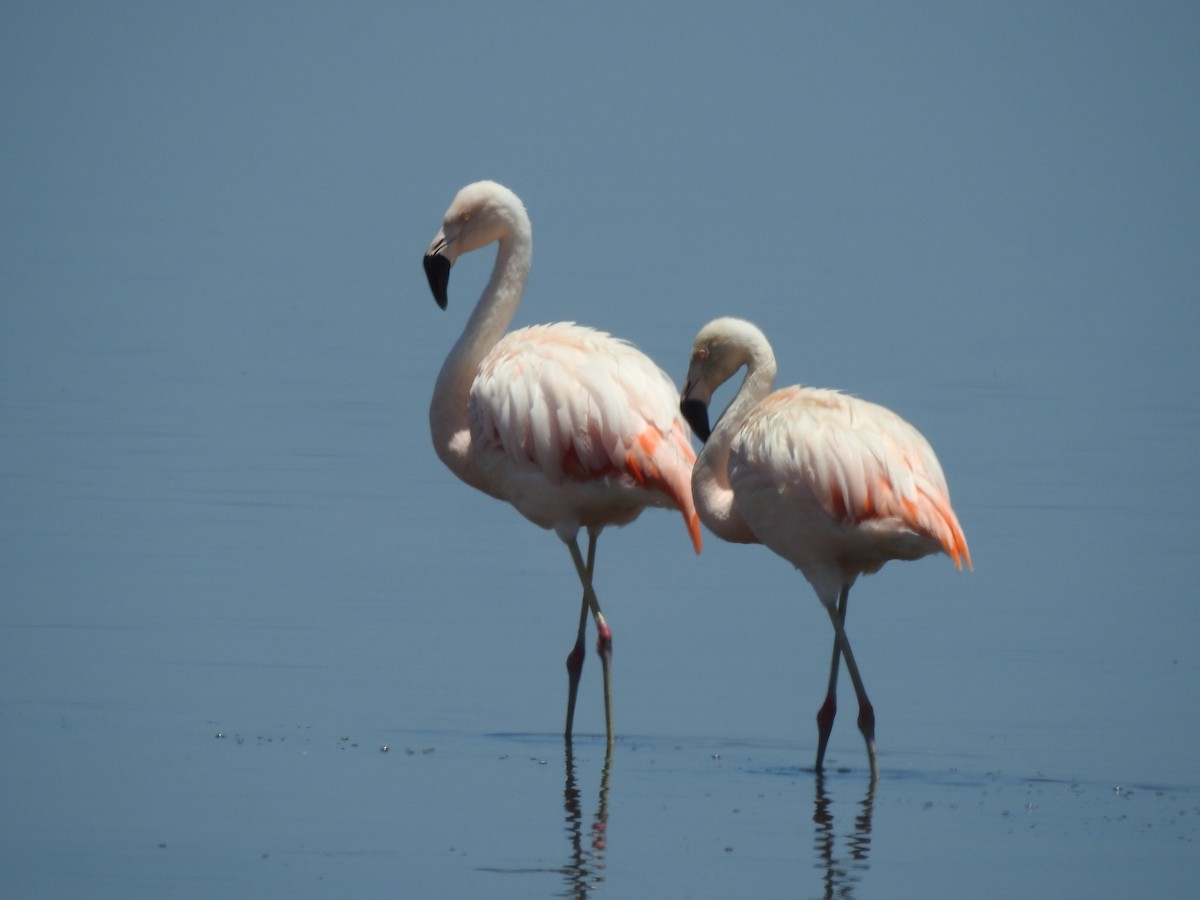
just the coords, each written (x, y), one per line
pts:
(710, 477)
(493, 312)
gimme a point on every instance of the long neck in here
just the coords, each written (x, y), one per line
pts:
(490, 319)
(714, 497)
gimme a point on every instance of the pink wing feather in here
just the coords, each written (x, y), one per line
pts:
(582, 406)
(860, 461)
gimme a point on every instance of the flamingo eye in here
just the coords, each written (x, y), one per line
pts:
(701, 354)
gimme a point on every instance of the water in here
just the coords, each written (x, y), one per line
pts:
(234, 572)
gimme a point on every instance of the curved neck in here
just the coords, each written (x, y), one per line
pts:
(490, 319)
(715, 501)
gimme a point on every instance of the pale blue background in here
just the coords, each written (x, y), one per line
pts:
(220, 512)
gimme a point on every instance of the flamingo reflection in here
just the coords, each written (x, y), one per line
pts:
(584, 870)
(843, 866)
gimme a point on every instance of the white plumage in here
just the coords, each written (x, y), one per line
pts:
(575, 431)
(574, 428)
(833, 484)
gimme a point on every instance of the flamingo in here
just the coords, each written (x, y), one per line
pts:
(835, 485)
(573, 427)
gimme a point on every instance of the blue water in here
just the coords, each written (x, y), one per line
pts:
(255, 640)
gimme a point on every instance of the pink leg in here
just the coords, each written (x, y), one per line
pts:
(604, 644)
(604, 648)
(575, 669)
(828, 710)
(577, 654)
(866, 712)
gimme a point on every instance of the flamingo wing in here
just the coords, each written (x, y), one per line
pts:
(863, 464)
(579, 405)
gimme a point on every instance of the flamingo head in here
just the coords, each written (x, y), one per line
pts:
(481, 213)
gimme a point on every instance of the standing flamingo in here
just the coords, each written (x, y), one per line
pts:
(835, 485)
(573, 427)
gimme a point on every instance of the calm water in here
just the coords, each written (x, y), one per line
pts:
(255, 641)
(229, 587)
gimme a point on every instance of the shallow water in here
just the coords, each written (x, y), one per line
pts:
(225, 599)
(294, 811)
(234, 572)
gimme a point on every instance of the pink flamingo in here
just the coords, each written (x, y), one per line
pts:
(835, 485)
(574, 428)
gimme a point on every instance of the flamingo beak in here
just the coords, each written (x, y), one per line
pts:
(696, 413)
(437, 270)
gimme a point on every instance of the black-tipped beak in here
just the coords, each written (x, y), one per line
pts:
(696, 413)
(437, 270)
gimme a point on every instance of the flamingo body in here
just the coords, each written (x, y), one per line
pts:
(573, 427)
(577, 429)
(833, 484)
(859, 483)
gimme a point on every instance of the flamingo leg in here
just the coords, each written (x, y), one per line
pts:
(604, 640)
(575, 657)
(866, 712)
(828, 710)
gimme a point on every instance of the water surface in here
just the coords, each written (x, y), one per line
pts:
(255, 640)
